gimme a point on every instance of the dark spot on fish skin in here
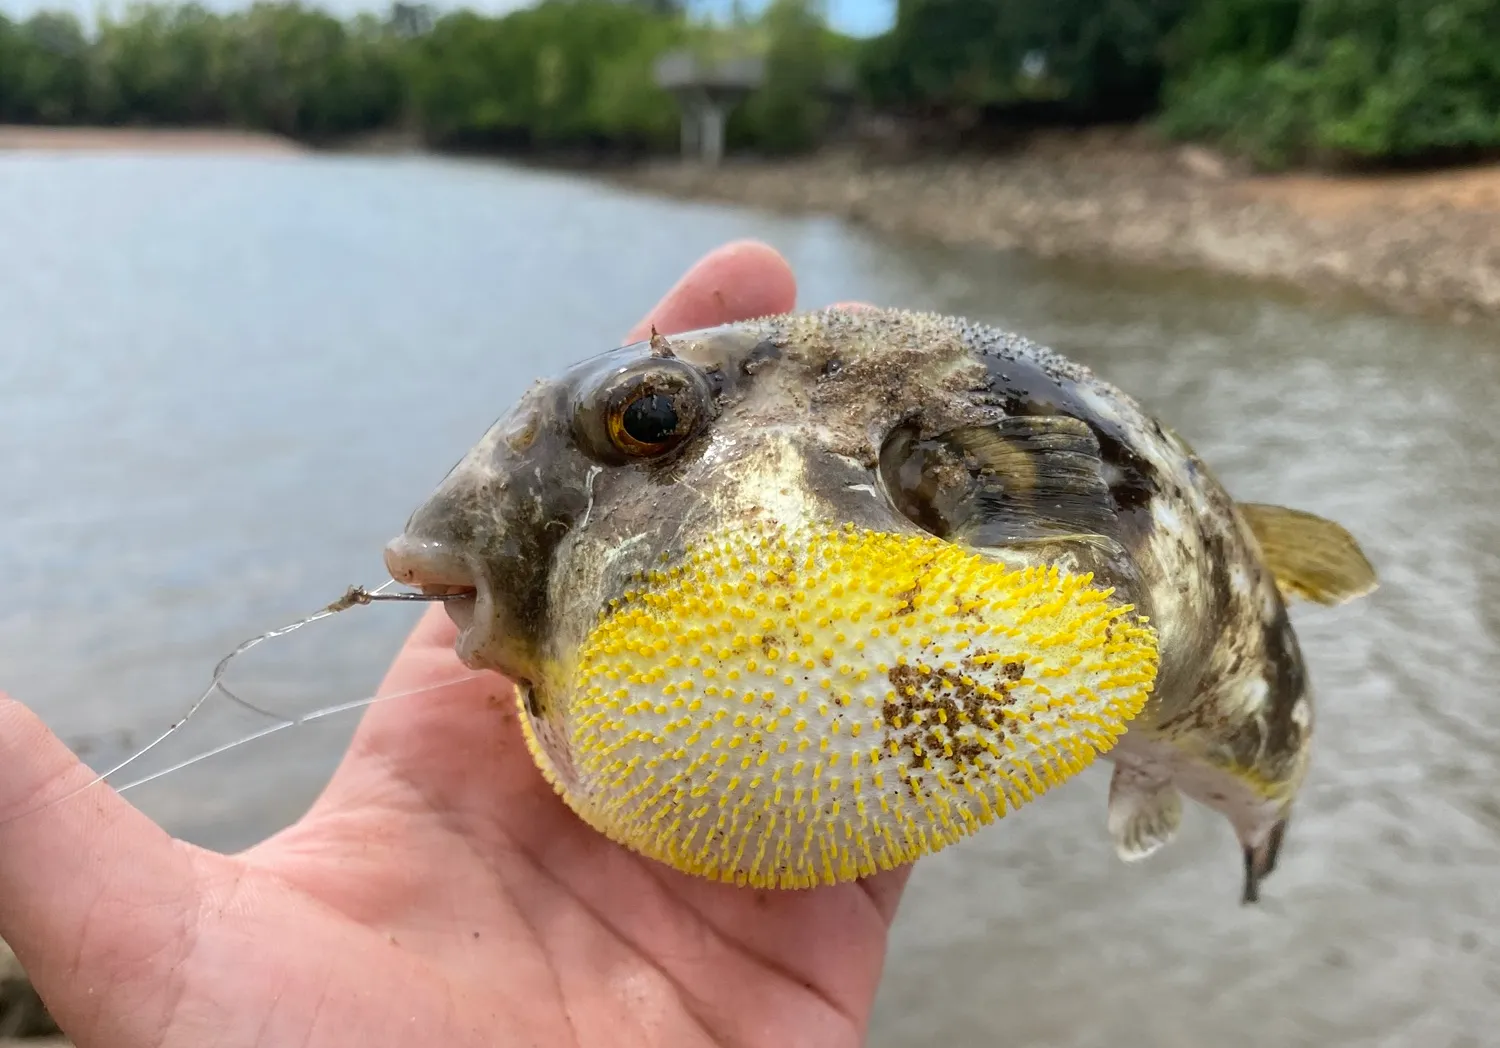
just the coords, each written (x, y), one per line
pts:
(967, 752)
(1137, 482)
(1221, 598)
(1287, 681)
(934, 706)
(533, 703)
(1199, 716)
(770, 642)
(718, 384)
(908, 599)
(762, 353)
(891, 712)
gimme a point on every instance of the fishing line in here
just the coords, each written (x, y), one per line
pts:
(307, 718)
(353, 596)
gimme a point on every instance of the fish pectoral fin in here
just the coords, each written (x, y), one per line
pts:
(1037, 476)
(1144, 812)
(1310, 557)
(1260, 861)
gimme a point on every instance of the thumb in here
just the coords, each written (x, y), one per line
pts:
(93, 894)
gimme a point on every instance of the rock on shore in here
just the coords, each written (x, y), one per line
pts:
(41, 139)
(1426, 242)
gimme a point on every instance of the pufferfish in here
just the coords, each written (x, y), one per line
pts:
(795, 600)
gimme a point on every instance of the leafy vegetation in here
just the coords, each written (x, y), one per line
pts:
(45, 68)
(554, 75)
(561, 74)
(1289, 81)
(1080, 59)
(1284, 81)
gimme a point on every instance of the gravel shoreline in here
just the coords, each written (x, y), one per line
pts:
(1425, 243)
(19, 137)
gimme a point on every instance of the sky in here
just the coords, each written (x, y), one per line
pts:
(857, 17)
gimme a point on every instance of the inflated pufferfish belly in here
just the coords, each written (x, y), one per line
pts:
(789, 708)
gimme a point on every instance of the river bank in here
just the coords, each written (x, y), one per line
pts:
(17, 137)
(1424, 242)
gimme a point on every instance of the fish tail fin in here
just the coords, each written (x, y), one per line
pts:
(1261, 859)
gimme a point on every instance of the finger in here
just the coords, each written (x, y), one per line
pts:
(885, 890)
(428, 658)
(89, 886)
(439, 711)
(435, 631)
(739, 281)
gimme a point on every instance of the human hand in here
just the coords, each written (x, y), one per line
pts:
(438, 893)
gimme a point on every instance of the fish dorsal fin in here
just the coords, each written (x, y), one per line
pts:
(1144, 812)
(1311, 557)
(1039, 476)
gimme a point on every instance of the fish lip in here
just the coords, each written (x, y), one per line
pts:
(474, 618)
(437, 570)
(429, 566)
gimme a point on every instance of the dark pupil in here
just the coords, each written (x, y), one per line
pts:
(650, 419)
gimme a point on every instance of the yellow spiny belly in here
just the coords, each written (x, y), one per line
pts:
(794, 708)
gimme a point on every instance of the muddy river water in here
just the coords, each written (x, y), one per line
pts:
(224, 382)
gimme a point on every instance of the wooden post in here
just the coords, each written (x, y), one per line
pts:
(712, 145)
(691, 131)
(705, 97)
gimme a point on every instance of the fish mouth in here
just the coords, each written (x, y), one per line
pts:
(438, 571)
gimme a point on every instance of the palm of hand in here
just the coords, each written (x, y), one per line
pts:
(438, 892)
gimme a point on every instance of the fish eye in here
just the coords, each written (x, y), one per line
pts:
(649, 423)
(650, 417)
(646, 412)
